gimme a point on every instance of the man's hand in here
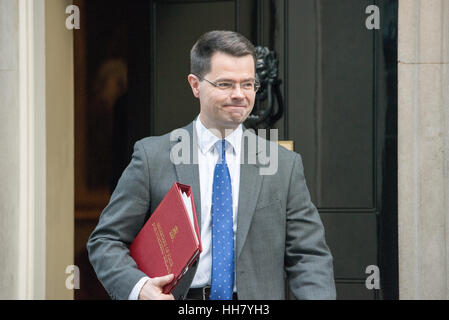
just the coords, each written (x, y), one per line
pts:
(152, 289)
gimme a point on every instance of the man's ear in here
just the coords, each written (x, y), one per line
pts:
(194, 84)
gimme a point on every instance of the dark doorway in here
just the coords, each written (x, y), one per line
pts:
(339, 83)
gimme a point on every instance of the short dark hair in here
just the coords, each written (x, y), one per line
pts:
(229, 42)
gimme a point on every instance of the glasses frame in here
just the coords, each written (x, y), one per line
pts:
(256, 83)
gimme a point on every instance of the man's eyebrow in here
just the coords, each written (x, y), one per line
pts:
(227, 79)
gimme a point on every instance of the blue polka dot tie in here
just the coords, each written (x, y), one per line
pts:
(222, 232)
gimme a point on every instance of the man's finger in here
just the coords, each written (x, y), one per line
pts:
(162, 281)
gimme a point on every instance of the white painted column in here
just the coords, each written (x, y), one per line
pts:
(423, 149)
(22, 147)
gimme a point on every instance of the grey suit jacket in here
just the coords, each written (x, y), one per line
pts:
(279, 231)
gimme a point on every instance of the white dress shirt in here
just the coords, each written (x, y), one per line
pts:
(207, 158)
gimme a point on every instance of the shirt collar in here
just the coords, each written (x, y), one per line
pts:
(206, 139)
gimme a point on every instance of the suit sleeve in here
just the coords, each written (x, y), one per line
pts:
(119, 224)
(308, 261)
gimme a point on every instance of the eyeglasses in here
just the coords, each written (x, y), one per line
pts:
(228, 85)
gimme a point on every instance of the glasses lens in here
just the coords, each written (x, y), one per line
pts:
(223, 85)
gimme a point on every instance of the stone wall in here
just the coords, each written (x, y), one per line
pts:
(9, 148)
(423, 149)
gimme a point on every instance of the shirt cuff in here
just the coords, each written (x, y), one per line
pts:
(134, 295)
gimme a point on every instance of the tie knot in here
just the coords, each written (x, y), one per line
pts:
(221, 148)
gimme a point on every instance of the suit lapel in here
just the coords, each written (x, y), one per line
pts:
(250, 185)
(188, 173)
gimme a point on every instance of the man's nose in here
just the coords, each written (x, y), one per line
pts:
(237, 92)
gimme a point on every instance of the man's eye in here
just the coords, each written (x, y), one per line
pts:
(247, 85)
(224, 85)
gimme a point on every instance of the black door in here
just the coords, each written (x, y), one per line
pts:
(340, 92)
(339, 88)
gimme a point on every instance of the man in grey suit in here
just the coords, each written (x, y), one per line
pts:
(273, 228)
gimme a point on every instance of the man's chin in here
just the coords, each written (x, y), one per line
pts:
(235, 120)
(237, 117)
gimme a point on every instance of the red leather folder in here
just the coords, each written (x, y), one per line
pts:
(168, 243)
